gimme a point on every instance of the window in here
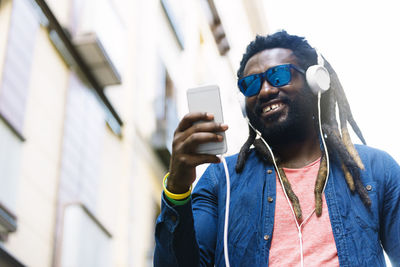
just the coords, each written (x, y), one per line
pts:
(101, 18)
(17, 66)
(10, 154)
(216, 26)
(13, 96)
(166, 116)
(85, 242)
(84, 130)
(170, 7)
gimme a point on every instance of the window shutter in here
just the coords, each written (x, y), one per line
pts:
(17, 66)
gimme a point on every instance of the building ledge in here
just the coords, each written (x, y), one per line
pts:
(8, 222)
(63, 42)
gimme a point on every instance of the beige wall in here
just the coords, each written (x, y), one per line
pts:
(130, 173)
(37, 189)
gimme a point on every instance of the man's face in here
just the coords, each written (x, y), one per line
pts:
(280, 114)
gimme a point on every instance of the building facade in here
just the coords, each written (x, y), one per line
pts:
(90, 95)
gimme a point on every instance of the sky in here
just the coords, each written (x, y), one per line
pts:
(361, 41)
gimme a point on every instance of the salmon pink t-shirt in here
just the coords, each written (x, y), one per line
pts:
(319, 247)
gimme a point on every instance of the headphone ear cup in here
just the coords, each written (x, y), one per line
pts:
(318, 78)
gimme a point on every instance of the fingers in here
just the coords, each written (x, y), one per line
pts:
(191, 118)
(191, 143)
(201, 127)
(194, 129)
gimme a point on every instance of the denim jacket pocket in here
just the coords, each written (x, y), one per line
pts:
(367, 217)
(368, 222)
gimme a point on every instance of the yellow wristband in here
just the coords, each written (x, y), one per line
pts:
(172, 195)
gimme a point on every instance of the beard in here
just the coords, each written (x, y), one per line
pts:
(294, 128)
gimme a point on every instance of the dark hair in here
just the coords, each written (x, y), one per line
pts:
(305, 54)
(338, 140)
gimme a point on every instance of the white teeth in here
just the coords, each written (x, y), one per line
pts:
(271, 107)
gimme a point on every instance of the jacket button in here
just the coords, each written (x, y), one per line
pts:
(270, 199)
(173, 218)
(368, 187)
(269, 171)
(266, 237)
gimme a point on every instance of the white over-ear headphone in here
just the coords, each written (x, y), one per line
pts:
(317, 77)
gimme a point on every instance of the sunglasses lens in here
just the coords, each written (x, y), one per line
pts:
(250, 85)
(279, 76)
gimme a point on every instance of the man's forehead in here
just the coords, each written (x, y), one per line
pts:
(267, 58)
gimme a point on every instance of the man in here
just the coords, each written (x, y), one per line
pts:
(343, 220)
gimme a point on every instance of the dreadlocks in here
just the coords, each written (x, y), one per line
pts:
(338, 140)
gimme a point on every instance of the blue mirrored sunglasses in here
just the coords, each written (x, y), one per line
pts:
(277, 76)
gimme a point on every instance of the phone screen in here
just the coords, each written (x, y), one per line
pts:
(207, 99)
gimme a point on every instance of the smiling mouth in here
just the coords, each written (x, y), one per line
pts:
(271, 108)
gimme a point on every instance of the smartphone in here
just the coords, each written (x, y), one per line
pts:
(207, 99)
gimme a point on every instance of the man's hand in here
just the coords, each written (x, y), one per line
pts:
(189, 134)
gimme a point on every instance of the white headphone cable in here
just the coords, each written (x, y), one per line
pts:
(280, 178)
(284, 191)
(323, 140)
(226, 221)
(227, 201)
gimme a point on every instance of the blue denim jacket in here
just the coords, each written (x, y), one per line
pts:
(192, 234)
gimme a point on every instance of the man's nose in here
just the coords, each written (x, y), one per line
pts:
(267, 90)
